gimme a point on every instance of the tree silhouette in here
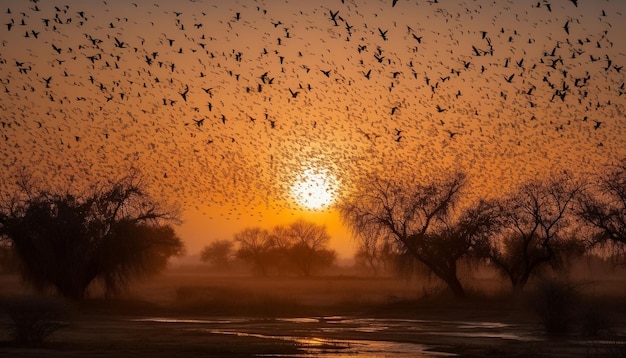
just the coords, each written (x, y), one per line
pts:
(257, 247)
(603, 207)
(9, 262)
(219, 254)
(425, 221)
(536, 230)
(375, 254)
(298, 247)
(68, 240)
(308, 250)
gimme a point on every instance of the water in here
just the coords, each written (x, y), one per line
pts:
(335, 348)
(338, 336)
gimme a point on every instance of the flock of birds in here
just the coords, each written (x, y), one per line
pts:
(222, 103)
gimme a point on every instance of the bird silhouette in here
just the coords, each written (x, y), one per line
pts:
(333, 17)
(383, 34)
(184, 93)
(477, 84)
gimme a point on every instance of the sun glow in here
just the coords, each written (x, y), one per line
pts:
(314, 188)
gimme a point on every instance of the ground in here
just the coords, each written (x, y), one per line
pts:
(189, 314)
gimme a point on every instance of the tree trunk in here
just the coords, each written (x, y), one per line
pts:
(517, 288)
(447, 273)
(73, 291)
(455, 286)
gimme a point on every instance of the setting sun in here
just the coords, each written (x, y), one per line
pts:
(314, 188)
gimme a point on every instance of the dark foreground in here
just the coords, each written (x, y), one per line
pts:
(330, 336)
(231, 323)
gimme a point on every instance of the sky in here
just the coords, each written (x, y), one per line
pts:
(223, 106)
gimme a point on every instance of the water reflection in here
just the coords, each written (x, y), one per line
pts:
(368, 348)
(338, 336)
(335, 348)
(186, 320)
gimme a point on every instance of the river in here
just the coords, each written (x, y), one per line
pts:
(344, 336)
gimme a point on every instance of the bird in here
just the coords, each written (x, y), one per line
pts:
(199, 122)
(494, 84)
(120, 44)
(47, 81)
(383, 34)
(333, 17)
(597, 124)
(184, 93)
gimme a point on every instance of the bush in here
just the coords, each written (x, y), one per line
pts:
(34, 319)
(556, 302)
(595, 321)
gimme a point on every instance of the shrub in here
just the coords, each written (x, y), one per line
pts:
(34, 319)
(595, 321)
(555, 302)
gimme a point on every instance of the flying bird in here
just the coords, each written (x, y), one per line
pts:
(383, 34)
(184, 93)
(492, 85)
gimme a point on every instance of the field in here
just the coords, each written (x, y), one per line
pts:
(189, 313)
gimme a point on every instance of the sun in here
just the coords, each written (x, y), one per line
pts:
(314, 188)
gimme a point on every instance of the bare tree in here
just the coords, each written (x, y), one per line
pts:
(308, 251)
(257, 247)
(300, 247)
(68, 240)
(536, 230)
(424, 220)
(603, 207)
(375, 255)
(220, 253)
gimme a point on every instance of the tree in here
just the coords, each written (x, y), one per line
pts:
(69, 240)
(424, 220)
(536, 230)
(256, 246)
(300, 246)
(375, 255)
(308, 250)
(603, 207)
(9, 262)
(219, 254)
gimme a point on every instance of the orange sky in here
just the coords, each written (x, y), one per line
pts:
(178, 89)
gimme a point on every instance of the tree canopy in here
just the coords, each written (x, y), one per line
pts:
(219, 254)
(424, 220)
(536, 229)
(69, 240)
(300, 247)
(604, 205)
